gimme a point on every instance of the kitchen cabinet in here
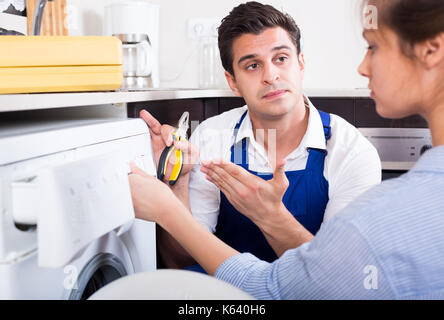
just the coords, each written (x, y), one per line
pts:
(367, 117)
(343, 107)
(226, 104)
(169, 111)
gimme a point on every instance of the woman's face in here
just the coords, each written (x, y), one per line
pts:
(393, 77)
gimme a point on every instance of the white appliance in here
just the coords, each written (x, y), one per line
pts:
(67, 225)
(135, 19)
(399, 148)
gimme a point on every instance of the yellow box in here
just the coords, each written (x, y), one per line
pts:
(60, 64)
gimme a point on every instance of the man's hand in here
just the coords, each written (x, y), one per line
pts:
(161, 137)
(260, 201)
(254, 197)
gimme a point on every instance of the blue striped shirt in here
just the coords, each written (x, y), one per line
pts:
(388, 244)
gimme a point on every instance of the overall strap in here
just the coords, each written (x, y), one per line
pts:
(316, 157)
(239, 154)
(325, 117)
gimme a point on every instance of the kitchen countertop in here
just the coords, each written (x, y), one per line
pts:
(35, 101)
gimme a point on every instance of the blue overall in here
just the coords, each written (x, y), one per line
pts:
(306, 198)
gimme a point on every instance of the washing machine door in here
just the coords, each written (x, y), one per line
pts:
(102, 262)
(101, 270)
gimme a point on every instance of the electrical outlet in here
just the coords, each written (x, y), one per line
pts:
(202, 27)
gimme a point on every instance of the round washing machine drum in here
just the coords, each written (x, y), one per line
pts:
(101, 270)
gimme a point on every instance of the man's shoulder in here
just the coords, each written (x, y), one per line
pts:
(348, 147)
(345, 135)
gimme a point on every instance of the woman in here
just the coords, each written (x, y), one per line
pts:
(389, 242)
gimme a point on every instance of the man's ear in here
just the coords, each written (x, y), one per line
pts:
(232, 83)
(301, 61)
(431, 52)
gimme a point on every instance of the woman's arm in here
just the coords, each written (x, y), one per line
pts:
(154, 201)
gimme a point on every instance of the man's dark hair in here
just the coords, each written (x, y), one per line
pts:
(252, 17)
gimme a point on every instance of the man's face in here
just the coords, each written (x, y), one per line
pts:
(268, 72)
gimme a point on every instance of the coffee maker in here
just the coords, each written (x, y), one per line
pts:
(136, 24)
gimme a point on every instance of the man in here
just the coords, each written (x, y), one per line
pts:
(327, 162)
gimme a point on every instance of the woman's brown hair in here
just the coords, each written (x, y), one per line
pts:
(413, 21)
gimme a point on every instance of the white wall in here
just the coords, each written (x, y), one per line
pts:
(331, 40)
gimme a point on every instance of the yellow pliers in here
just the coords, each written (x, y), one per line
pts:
(179, 134)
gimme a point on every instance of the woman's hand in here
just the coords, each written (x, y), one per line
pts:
(152, 199)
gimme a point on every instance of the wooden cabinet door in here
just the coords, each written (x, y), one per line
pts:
(170, 111)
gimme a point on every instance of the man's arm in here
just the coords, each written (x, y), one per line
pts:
(171, 252)
(260, 201)
(351, 177)
(284, 232)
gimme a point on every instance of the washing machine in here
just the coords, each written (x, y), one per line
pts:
(67, 224)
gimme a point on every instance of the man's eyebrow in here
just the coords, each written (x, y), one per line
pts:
(251, 56)
(281, 48)
(248, 56)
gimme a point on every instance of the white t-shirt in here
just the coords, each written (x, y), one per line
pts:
(352, 164)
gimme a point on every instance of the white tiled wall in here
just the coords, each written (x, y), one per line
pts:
(332, 43)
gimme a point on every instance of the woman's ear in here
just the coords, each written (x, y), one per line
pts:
(431, 52)
(232, 83)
